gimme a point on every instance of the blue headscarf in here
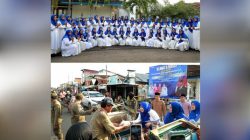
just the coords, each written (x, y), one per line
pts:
(195, 114)
(85, 35)
(165, 32)
(174, 22)
(77, 21)
(158, 33)
(92, 32)
(145, 114)
(67, 35)
(113, 20)
(54, 22)
(114, 31)
(143, 34)
(63, 21)
(135, 33)
(75, 33)
(126, 19)
(95, 18)
(173, 33)
(176, 114)
(83, 22)
(183, 22)
(107, 31)
(128, 32)
(190, 23)
(132, 21)
(121, 32)
(67, 18)
(168, 21)
(151, 33)
(195, 23)
(91, 20)
(99, 30)
(149, 21)
(119, 20)
(182, 35)
(79, 33)
(102, 19)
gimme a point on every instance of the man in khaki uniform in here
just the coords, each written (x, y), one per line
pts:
(132, 104)
(102, 127)
(159, 106)
(56, 116)
(78, 113)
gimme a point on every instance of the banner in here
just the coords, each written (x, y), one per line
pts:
(169, 80)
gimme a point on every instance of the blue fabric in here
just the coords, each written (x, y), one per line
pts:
(183, 35)
(195, 23)
(173, 33)
(53, 22)
(149, 21)
(143, 34)
(67, 18)
(83, 22)
(165, 32)
(75, 33)
(77, 21)
(95, 18)
(67, 35)
(136, 33)
(190, 24)
(63, 21)
(128, 32)
(121, 32)
(195, 114)
(102, 19)
(91, 20)
(93, 33)
(176, 114)
(85, 35)
(145, 114)
(107, 32)
(79, 33)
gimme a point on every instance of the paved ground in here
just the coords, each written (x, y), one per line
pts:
(67, 123)
(130, 54)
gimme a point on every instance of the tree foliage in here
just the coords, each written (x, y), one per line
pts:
(140, 5)
(147, 8)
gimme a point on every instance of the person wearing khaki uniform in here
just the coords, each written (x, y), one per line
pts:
(132, 104)
(56, 116)
(77, 112)
(159, 106)
(102, 127)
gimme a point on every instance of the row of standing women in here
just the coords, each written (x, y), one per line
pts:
(73, 36)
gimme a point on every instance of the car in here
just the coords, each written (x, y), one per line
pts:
(92, 98)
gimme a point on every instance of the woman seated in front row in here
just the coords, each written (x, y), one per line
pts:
(69, 48)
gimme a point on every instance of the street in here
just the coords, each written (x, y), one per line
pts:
(67, 122)
(130, 54)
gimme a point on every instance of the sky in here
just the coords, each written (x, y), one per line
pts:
(64, 72)
(175, 1)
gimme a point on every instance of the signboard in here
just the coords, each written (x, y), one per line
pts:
(169, 80)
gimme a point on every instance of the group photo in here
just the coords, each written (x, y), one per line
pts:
(113, 29)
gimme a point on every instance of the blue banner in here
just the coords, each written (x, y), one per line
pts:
(169, 80)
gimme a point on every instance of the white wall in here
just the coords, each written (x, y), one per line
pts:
(77, 10)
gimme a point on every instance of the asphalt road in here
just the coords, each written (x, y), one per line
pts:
(67, 122)
(131, 54)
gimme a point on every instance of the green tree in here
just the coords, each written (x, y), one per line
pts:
(140, 5)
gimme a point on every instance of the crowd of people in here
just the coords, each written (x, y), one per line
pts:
(148, 114)
(72, 36)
